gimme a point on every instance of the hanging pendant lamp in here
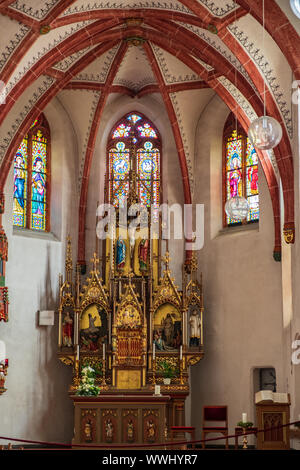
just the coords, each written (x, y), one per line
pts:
(265, 132)
(237, 208)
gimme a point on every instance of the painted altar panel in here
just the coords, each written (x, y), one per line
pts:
(167, 328)
(129, 379)
(93, 328)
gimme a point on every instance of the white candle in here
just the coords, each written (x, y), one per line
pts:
(103, 351)
(2, 351)
(180, 353)
(77, 355)
(244, 417)
(153, 350)
(157, 390)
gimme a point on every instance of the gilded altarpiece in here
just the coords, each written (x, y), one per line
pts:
(132, 324)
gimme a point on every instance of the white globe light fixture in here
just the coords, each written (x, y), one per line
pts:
(237, 208)
(265, 133)
(295, 6)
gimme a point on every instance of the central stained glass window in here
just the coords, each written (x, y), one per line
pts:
(134, 141)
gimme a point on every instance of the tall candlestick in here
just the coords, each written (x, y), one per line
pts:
(180, 353)
(244, 417)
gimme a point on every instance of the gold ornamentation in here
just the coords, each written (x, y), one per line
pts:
(289, 235)
(129, 313)
(67, 360)
(129, 412)
(133, 22)
(150, 413)
(93, 291)
(109, 413)
(192, 360)
(45, 29)
(166, 291)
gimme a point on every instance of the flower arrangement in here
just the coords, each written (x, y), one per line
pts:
(87, 385)
(246, 425)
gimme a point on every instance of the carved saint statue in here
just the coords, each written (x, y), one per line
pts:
(120, 253)
(88, 431)
(150, 431)
(67, 330)
(195, 327)
(143, 254)
(109, 430)
(130, 430)
(168, 329)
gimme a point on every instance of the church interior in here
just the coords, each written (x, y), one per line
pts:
(185, 326)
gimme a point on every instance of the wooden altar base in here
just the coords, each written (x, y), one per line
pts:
(113, 419)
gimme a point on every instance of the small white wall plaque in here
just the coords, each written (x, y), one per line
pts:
(46, 318)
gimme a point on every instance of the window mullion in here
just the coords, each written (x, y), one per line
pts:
(29, 182)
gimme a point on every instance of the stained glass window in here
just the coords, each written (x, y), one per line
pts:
(240, 170)
(31, 178)
(134, 145)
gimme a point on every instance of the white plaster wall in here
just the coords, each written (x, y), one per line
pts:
(293, 328)
(36, 405)
(242, 289)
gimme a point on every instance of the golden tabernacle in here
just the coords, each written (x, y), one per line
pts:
(130, 335)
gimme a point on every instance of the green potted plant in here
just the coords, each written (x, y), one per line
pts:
(168, 371)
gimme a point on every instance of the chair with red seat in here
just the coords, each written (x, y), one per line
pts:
(215, 414)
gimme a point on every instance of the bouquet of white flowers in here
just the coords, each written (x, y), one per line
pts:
(87, 385)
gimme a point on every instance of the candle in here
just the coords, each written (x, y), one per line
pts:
(77, 354)
(157, 390)
(180, 353)
(103, 351)
(153, 351)
(244, 417)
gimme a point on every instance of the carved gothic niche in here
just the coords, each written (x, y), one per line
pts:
(194, 308)
(88, 425)
(167, 319)
(3, 367)
(3, 259)
(94, 313)
(129, 335)
(130, 426)
(109, 425)
(150, 426)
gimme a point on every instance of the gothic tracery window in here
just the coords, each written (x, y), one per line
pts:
(240, 170)
(134, 142)
(32, 178)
